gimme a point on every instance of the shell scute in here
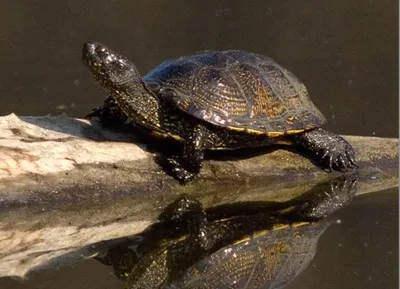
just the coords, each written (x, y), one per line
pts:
(237, 90)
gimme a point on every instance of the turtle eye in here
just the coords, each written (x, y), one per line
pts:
(106, 57)
(100, 50)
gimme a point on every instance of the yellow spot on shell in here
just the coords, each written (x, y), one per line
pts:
(275, 133)
(299, 224)
(279, 226)
(294, 131)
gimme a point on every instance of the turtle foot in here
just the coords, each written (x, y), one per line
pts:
(109, 113)
(176, 169)
(332, 151)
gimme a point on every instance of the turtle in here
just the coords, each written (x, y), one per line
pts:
(214, 100)
(259, 243)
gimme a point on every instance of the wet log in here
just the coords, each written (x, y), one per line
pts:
(67, 183)
(44, 157)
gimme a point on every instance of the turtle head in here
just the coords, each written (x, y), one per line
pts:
(113, 71)
(121, 78)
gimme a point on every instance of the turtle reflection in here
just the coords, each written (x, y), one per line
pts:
(242, 245)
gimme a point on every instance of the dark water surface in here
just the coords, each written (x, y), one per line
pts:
(344, 51)
(360, 252)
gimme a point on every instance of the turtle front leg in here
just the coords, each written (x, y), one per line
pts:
(331, 150)
(185, 168)
(109, 113)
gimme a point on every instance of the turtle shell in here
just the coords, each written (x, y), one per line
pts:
(237, 90)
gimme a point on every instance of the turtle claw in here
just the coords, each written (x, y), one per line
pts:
(337, 159)
(109, 113)
(341, 163)
(352, 160)
(103, 114)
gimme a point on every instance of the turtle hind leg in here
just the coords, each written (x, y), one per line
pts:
(331, 150)
(185, 168)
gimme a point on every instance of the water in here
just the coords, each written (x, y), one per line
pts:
(360, 252)
(344, 51)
